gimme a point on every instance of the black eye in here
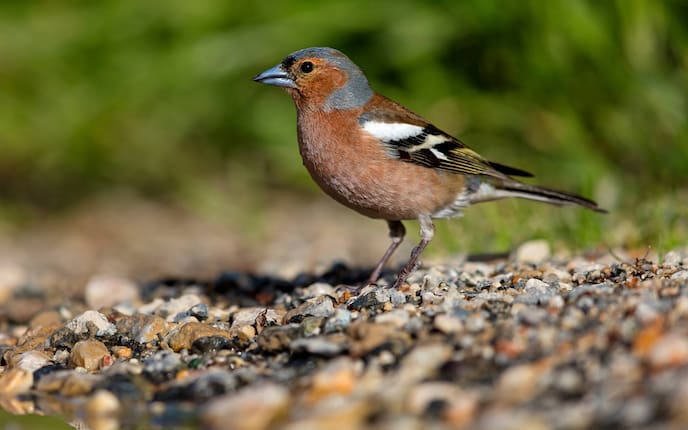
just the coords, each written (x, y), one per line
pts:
(306, 67)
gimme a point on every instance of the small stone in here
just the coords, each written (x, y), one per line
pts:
(142, 328)
(311, 326)
(244, 332)
(536, 292)
(324, 346)
(207, 344)
(518, 383)
(475, 323)
(681, 275)
(30, 360)
(79, 384)
(371, 337)
(199, 311)
(448, 324)
(458, 407)
(338, 377)
(15, 381)
(339, 321)
(533, 252)
(397, 318)
(557, 274)
(171, 309)
(249, 316)
(421, 362)
(251, 408)
(372, 300)
(88, 354)
(646, 313)
(12, 277)
(44, 319)
(101, 411)
(316, 307)
(274, 339)
(162, 366)
(672, 259)
(318, 289)
(122, 352)
(430, 298)
(107, 291)
(671, 350)
(52, 381)
(91, 320)
(184, 337)
(201, 386)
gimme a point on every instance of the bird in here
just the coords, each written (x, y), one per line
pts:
(384, 161)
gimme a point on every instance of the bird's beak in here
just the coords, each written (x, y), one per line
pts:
(275, 76)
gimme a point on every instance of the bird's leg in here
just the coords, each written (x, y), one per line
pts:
(427, 231)
(396, 233)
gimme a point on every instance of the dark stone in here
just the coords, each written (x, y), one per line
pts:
(200, 311)
(162, 366)
(367, 301)
(203, 388)
(206, 344)
(45, 370)
(278, 338)
(435, 409)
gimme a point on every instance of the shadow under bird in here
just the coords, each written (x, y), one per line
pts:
(384, 161)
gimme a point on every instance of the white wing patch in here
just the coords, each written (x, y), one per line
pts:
(438, 154)
(391, 131)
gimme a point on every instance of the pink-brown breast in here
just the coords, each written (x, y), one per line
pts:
(352, 167)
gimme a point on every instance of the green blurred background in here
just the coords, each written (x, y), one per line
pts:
(155, 97)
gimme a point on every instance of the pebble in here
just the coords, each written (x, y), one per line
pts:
(171, 309)
(671, 350)
(536, 292)
(250, 316)
(339, 321)
(251, 408)
(518, 383)
(122, 352)
(184, 336)
(30, 360)
(448, 324)
(101, 411)
(588, 342)
(143, 328)
(274, 339)
(329, 346)
(337, 378)
(107, 291)
(444, 401)
(162, 366)
(533, 252)
(370, 337)
(397, 317)
(91, 321)
(12, 277)
(15, 381)
(319, 289)
(88, 354)
(321, 306)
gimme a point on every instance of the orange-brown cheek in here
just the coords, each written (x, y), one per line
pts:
(318, 88)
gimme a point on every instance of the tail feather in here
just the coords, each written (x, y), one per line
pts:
(548, 195)
(513, 188)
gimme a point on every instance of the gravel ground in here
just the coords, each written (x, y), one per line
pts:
(528, 341)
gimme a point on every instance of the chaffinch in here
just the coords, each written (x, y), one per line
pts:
(380, 159)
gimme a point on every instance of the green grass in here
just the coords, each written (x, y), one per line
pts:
(156, 97)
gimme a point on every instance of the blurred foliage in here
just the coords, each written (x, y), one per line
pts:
(156, 96)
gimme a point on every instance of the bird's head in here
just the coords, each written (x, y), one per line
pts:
(320, 78)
